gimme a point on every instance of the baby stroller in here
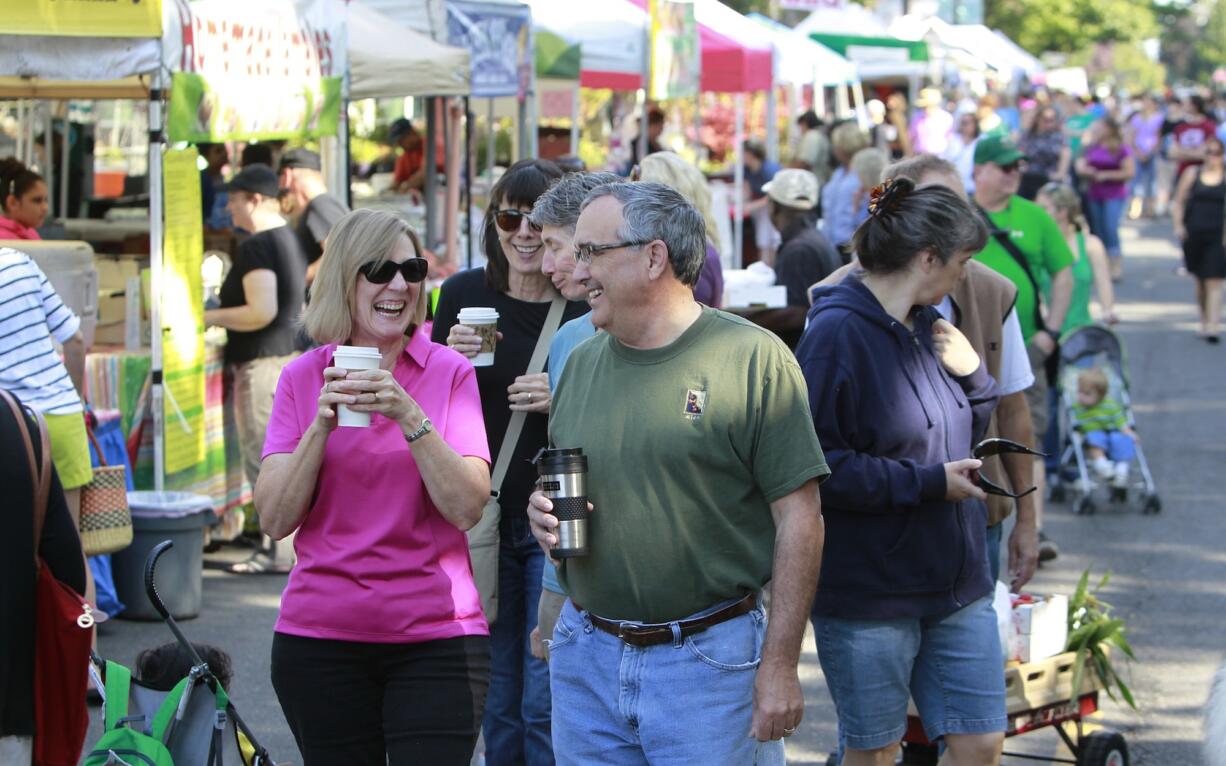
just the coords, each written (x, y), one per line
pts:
(194, 724)
(1095, 346)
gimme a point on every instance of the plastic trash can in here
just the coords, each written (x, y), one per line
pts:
(156, 516)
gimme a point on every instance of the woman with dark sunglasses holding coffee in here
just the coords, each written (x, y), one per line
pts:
(381, 650)
(517, 717)
(898, 395)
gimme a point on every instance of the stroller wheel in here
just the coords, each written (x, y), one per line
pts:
(1153, 504)
(1119, 494)
(1085, 506)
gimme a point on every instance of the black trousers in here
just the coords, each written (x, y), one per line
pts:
(398, 704)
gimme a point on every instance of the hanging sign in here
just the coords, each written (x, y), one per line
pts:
(82, 18)
(675, 64)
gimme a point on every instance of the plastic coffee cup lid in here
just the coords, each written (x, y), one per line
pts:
(358, 351)
(478, 314)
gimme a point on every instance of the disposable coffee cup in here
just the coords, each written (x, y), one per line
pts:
(485, 322)
(355, 358)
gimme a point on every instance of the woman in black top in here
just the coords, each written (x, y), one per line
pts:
(261, 299)
(517, 710)
(60, 548)
(1199, 213)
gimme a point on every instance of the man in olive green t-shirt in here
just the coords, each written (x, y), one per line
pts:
(1048, 260)
(702, 470)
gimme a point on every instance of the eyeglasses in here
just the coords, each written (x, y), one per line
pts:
(413, 270)
(585, 252)
(991, 447)
(1012, 167)
(509, 220)
(1213, 152)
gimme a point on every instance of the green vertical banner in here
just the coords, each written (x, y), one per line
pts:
(675, 62)
(203, 111)
(182, 312)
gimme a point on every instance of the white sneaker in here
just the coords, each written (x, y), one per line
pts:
(1102, 468)
(1119, 478)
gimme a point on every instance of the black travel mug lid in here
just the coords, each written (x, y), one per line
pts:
(568, 460)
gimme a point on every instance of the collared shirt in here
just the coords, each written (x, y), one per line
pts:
(31, 314)
(10, 229)
(377, 562)
(840, 214)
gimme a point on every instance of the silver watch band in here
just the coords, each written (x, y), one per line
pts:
(425, 428)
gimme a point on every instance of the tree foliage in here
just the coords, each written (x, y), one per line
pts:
(1067, 26)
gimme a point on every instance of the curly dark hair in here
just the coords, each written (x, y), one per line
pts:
(164, 666)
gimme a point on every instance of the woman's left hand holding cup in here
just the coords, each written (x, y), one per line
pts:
(377, 391)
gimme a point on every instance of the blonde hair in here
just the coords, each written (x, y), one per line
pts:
(670, 169)
(1095, 380)
(847, 139)
(1066, 200)
(361, 237)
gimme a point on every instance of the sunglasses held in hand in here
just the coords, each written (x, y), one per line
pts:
(991, 447)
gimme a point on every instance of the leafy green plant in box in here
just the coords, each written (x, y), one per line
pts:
(1092, 631)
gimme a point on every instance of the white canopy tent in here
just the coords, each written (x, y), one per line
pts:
(969, 47)
(387, 59)
(611, 36)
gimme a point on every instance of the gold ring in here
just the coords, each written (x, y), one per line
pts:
(530, 395)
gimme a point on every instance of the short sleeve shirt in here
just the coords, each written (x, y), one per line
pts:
(317, 220)
(377, 562)
(279, 251)
(687, 446)
(1037, 236)
(31, 314)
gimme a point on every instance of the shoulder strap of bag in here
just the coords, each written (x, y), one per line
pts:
(1002, 236)
(93, 439)
(535, 365)
(40, 468)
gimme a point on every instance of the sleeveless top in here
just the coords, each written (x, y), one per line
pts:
(1206, 208)
(1083, 283)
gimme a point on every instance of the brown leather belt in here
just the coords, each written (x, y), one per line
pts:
(635, 634)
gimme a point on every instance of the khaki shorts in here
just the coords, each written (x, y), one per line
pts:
(1036, 395)
(70, 449)
(255, 383)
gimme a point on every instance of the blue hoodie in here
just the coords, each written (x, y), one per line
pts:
(889, 417)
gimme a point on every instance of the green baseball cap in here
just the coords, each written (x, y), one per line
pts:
(999, 150)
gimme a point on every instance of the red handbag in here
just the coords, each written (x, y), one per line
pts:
(62, 629)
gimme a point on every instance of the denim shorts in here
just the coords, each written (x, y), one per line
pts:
(951, 665)
(686, 701)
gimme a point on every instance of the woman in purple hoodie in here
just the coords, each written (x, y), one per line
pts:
(899, 397)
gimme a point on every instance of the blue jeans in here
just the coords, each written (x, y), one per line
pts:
(949, 664)
(517, 709)
(1105, 221)
(1146, 175)
(683, 702)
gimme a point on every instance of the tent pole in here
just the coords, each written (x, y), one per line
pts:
(772, 124)
(469, 154)
(641, 138)
(574, 121)
(21, 123)
(491, 145)
(431, 170)
(452, 230)
(49, 149)
(65, 175)
(155, 268)
(738, 223)
(857, 95)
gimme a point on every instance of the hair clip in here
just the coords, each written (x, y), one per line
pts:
(636, 173)
(887, 196)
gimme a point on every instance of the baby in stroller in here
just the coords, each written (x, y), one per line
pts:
(1110, 441)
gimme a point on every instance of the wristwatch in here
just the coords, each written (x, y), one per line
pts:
(426, 427)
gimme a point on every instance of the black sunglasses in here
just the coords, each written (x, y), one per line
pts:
(413, 270)
(1011, 167)
(991, 447)
(509, 220)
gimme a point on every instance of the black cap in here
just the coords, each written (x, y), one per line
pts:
(398, 129)
(300, 158)
(256, 179)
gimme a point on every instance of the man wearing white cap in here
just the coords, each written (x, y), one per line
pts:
(805, 256)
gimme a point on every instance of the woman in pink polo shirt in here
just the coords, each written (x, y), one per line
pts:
(381, 651)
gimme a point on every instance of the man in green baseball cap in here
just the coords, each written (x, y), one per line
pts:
(1027, 248)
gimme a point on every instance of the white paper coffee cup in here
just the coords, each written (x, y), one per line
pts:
(355, 358)
(485, 322)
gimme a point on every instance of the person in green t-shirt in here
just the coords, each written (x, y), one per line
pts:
(703, 466)
(1037, 256)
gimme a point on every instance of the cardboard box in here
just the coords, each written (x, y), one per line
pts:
(755, 296)
(113, 276)
(1040, 627)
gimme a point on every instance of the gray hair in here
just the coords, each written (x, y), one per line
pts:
(560, 205)
(652, 211)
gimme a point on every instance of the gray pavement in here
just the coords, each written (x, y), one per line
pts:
(1169, 570)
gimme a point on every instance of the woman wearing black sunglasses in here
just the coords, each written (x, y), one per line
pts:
(381, 654)
(518, 708)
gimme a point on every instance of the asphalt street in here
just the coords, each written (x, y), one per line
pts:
(1169, 570)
